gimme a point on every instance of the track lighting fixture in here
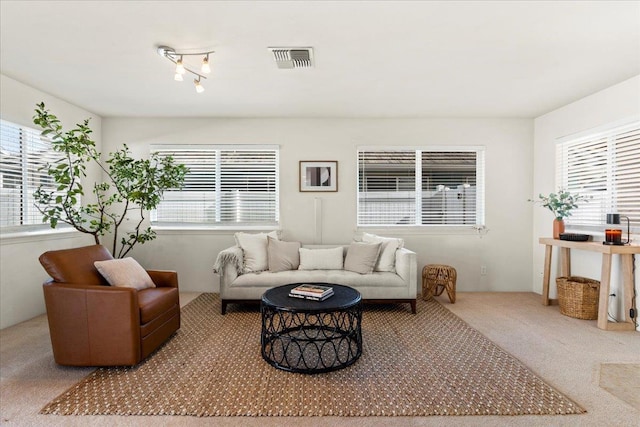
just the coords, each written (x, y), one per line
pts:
(181, 69)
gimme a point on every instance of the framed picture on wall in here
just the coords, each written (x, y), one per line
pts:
(318, 175)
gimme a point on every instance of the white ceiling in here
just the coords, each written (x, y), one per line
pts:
(373, 58)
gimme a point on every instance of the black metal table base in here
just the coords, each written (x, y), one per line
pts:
(311, 342)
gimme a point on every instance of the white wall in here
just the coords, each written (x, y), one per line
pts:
(21, 275)
(505, 250)
(512, 177)
(616, 103)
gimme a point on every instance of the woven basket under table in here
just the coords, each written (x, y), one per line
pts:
(578, 297)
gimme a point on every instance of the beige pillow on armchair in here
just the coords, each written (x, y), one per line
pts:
(124, 273)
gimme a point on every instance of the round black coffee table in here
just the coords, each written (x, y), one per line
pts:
(311, 337)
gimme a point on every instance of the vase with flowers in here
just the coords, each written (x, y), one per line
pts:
(560, 204)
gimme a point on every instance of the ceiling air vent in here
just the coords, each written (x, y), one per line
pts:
(292, 57)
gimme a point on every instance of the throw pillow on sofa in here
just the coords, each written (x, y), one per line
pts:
(282, 256)
(387, 259)
(321, 259)
(362, 257)
(254, 248)
(125, 273)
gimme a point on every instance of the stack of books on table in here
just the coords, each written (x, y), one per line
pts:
(312, 292)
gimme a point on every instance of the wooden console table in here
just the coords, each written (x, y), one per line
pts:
(626, 254)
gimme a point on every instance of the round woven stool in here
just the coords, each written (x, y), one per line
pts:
(436, 278)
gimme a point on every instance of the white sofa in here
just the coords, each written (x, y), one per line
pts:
(379, 287)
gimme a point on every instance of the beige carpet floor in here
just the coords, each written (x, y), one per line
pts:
(623, 381)
(567, 353)
(431, 363)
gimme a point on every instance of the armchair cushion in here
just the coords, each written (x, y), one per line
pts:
(155, 301)
(75, 265)
(124, 273)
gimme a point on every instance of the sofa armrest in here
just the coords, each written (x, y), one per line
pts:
(406, 266)
(164, 278)
(229, 260)
(229, 266)
(88, 323)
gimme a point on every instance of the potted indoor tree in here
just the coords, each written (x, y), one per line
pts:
(560, 204)
(131, 187)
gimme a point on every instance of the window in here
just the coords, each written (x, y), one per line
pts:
(226, 185)
(421, 187)
(24, 154)
(604, 166)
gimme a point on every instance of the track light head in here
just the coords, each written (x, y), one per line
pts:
(199, 87)
(206, 68)
(179, 67)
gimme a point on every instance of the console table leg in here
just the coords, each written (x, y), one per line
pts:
(627, 283)
(565, 262)
(605, 281)
(546, 274)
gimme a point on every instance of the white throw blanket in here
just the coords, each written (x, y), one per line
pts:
(231, 257)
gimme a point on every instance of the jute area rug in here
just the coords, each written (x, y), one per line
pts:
(431, 363)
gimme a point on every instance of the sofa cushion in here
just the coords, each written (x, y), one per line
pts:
(387, 259)
(362, 257)
(254, 248)
(282, 255)
(321, 259)
(125, 273)
(265, 280)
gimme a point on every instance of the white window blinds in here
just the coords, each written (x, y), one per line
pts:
(386, 187)
(428, 187)
(605, 167)
(24, 154)
(226, 185)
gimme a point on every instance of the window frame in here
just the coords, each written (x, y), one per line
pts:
(607, 135)
(28, 212)
(480, 170)
(217, 192)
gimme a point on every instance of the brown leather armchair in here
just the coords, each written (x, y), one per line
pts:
(94, 324)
